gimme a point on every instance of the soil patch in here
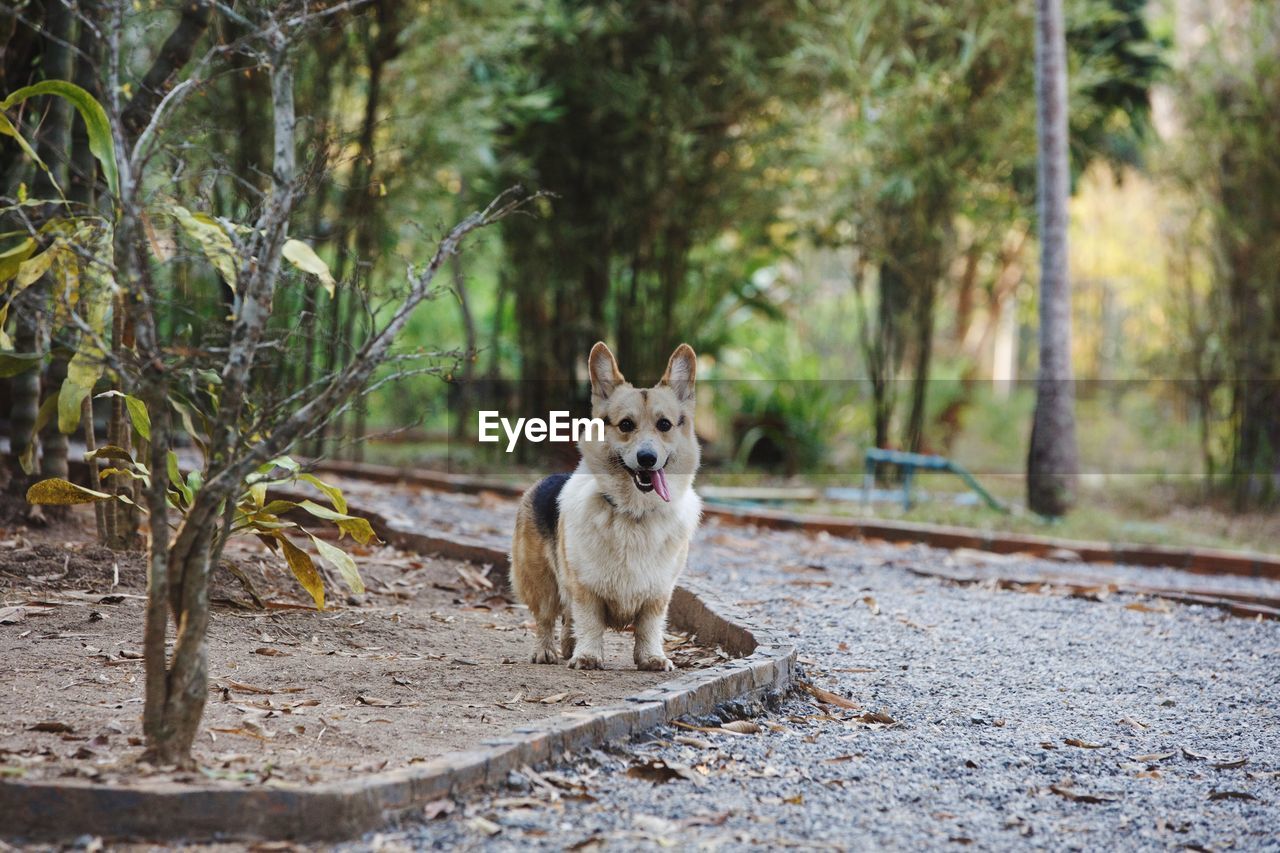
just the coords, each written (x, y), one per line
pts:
(431, 659)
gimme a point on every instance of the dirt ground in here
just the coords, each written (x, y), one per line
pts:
(432, 658)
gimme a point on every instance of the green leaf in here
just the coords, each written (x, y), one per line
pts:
(97, 127)
(175, 476)
(47, 410)
(333, 492)
(123, 472)
(27, 460)
(285, 462)
(342, 561)
(37, 265)
(59, 492)
(359, 528)
(305, 258)
(109, 451)
(85, 368)
(7, 129)
(214, 241)
(70, 396)
(303, 569)
(13, 363)
(11, 259)
(138, 415)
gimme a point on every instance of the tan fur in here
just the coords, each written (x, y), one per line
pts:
(618, 549)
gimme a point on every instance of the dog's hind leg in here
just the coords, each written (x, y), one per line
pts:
(534, 580)
(544, 644)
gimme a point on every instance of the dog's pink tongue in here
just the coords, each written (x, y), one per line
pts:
(660, 485)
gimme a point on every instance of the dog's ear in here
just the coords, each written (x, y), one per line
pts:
(682, 371)
(603, 368)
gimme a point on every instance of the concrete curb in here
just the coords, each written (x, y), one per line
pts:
(764, 663)
(1197, 560)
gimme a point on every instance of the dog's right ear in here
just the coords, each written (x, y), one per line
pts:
(603, 368)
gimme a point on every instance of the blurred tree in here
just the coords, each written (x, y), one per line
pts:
(924, 154)
(1053, 460)
(653, 124)
(1228, 97)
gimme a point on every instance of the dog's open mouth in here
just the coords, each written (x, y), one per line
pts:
(652, 481)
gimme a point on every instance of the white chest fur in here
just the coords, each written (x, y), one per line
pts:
(631, 550)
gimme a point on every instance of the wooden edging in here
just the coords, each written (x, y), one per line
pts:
(1197, 560)
(58, 810)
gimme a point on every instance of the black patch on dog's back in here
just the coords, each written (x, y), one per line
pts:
(546, 504)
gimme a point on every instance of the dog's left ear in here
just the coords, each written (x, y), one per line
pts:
(682, 371)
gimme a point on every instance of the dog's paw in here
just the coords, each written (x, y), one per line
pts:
(584, 661)
(547, 655)
(655, 663)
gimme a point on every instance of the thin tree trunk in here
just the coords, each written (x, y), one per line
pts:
(95, 480)
(1053, 460)
(31, 330)
(24, 390)
(914, 438)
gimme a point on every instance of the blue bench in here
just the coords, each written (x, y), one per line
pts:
(909, 463)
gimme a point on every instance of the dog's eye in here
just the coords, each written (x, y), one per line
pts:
(626, 425)
(663, 424)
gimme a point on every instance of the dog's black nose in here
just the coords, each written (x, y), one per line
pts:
(647, 459)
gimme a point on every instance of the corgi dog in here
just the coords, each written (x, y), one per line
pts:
(602, 547)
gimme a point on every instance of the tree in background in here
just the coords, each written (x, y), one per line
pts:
(923, 158)
(1053, 461)
(653, 124)
(1228, 99)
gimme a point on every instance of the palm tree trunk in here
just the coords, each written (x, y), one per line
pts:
(1053, 460)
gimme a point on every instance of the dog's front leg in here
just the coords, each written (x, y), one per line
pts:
(588, 626)
(651, 625)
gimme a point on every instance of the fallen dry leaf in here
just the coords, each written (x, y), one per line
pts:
(1231, 795)
(880, 717)
(697, 743)
(1082, 744)
(552, 699)
(1230, 764)
(481, 824)
(267, 651)
(1095, 799)
(1144, 607)
(742, 727)
(827, 697)
(1153, 756)
(53, 726)
(375, 702)
(658, 771)
(248, 688)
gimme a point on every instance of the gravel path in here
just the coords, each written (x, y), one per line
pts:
(1019, 719)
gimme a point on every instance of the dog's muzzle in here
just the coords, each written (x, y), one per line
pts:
(651, 481)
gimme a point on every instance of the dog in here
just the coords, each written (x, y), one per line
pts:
(602, 547)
